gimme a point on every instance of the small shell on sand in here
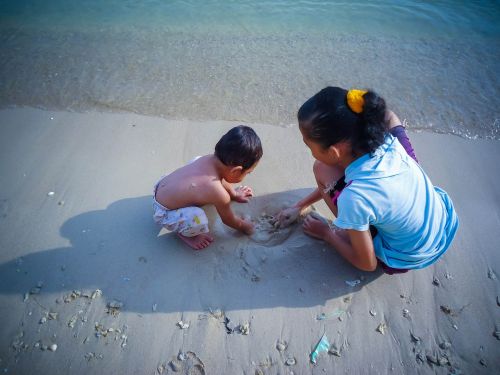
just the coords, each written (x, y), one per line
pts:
(244, 328)
(381, 328)
(334, 350)
(406, 313)
(182, 325)
(281, 345)
(436, 281)
(373, 313)
(96, 293)
(53, 347)
(290, 361)
(491, 274)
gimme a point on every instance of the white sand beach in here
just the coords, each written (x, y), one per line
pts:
(76, 217)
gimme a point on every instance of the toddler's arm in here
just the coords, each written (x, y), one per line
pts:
(230, 219)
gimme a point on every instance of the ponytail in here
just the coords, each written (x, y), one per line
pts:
(335, 114)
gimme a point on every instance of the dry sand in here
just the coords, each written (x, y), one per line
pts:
(96, 232)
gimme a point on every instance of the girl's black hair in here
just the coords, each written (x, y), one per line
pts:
(240, 146)
(327, 119)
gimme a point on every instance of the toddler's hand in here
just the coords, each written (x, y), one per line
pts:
(243, 194)
(247, 227)
(287, 217)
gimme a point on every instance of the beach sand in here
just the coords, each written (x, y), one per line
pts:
(76, 215)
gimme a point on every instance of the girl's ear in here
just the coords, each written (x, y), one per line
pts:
(334, 151)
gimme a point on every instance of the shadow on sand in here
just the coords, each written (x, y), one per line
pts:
(122, 252)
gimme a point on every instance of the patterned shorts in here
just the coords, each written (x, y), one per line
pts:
(188, 221)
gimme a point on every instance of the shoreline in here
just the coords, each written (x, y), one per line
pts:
(96, 232)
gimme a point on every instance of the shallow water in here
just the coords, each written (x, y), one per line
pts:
(437, 63)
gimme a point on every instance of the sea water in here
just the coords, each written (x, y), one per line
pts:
(437, 63)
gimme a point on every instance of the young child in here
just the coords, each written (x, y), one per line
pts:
(207, 180)
(366, 171)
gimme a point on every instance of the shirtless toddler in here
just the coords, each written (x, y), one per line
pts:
(208, 179)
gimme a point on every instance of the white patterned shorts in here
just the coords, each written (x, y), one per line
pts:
(188, 221)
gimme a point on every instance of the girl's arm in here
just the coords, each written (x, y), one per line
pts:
(355, 246)
(307, 201)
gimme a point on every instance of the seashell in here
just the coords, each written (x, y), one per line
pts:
(182, 325)
(281, 345)
(436, 281)
(43, 320)
(72, 321)
(406, 313)
(373, 313)
(244, 328)
(290, 361)
(381, 328)
(53, 347)
(52, 316)
(96, 293)
(334, 350)
(491, 274)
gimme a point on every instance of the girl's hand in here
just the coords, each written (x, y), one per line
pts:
(243, 194)
(316, 227)
(287, 217)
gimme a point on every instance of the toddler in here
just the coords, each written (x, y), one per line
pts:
(208, 179)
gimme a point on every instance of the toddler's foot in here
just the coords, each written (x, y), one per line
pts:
(198, 242)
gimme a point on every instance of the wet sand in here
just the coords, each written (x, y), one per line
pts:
(76, 217)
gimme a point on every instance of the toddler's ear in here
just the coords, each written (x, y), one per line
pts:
(237, 171)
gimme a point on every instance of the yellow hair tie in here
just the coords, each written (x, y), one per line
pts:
(355, 100)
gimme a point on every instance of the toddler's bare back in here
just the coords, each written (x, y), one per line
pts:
(195, 184)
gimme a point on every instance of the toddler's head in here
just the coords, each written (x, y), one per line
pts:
(239, 147)
(336, 115)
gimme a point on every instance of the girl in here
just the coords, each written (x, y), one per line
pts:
(366, 171)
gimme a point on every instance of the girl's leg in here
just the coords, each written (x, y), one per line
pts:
(325, 175)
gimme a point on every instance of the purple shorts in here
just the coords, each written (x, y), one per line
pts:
(399, 133)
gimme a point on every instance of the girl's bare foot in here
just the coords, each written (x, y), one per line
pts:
(198, 242)
(315, 227)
